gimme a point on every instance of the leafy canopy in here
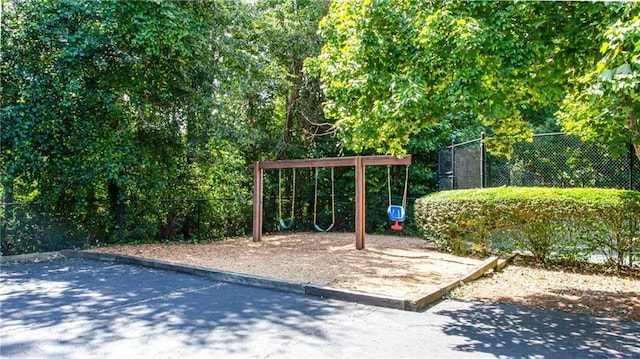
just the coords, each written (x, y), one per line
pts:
(393, 68)
(604, 104)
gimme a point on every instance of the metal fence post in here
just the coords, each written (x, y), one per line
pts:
(438, 170)
(453, 163)
(199, 203)
(120, 222)
(7, 215)
(483, 153)
(630, 151)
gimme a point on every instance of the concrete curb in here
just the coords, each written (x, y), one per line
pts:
(293, 286)
(30, 257)
(356, 297)
(222, 276)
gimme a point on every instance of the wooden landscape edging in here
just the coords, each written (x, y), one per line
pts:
(502, 262)
(293, 286)
(423, 302)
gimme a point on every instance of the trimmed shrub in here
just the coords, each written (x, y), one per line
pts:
(560, 224)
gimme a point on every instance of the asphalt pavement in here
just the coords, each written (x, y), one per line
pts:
(76, 308)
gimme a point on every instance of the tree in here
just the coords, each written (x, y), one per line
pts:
(287, 34)
(115, 100)
(124, 107)
(604, 104)
(392, 68)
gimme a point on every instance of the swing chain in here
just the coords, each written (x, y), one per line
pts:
(284, 224)
(293, 194)
(397, 213)
(389, 182)
(315, 203)
(279, 193)
(406, 185)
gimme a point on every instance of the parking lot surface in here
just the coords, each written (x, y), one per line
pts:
(75, 308)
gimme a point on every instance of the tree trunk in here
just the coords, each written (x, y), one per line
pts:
(632, 124)
(116, 208)
(8, 198)
(251, 104)
(294, 95)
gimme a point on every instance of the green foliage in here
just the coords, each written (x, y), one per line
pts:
(551, 223)
(288, 30)
(604, 104)
(373, 74)
(138, 121)
(110, 110)
(391, 69)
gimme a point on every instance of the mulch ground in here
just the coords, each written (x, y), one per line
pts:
(399, 267)
(402, 267)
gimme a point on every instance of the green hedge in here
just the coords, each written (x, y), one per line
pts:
(559, 224)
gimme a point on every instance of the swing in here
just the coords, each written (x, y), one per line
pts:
(397, 213)
(315, 205)
(288, 223)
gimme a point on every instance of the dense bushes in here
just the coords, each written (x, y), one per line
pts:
(554, 224)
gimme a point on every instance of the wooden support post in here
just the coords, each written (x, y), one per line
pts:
(360, 202)
(257, 202)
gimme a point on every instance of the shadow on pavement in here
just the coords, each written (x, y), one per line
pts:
(620, 304)
(77, 308)
(510, 331)
(93, 303)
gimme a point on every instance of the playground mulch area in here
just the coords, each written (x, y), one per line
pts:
(399, 267)
(402, 267)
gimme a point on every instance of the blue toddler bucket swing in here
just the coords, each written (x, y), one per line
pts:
(397, 213)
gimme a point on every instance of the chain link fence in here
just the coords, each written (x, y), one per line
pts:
(33, 227)
(550, 160)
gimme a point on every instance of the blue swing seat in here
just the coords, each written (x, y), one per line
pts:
(396, 213)
(317, 227)
(286, 224)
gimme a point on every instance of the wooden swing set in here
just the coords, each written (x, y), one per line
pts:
(359, 162)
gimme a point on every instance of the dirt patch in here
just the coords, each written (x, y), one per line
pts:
(558, 289)
(400, 267)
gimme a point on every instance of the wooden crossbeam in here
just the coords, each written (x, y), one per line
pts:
(337, 162)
